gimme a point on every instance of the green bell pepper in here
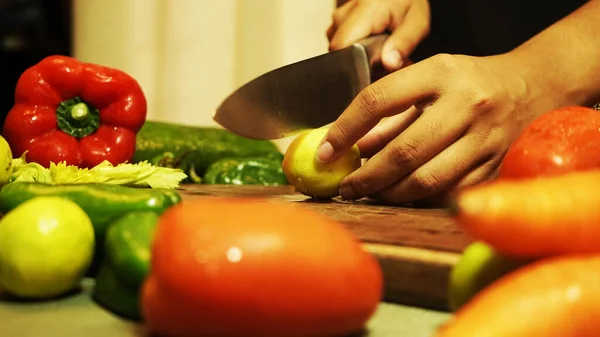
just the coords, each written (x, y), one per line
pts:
(126, 264)
(264, 171)
(114, 296)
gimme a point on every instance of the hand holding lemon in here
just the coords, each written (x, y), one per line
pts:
(311, 177)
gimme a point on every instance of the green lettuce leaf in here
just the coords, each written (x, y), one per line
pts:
(29, 172)
(142, 174)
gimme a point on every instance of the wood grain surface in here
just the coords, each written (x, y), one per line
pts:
(415, 247)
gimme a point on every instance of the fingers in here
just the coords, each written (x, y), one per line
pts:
(395, 92)
(364, 19)
(385, 131)
(405, 37)
(339, 16)
(408, 21)
(440, 173)
(488, 170)
(422, 140)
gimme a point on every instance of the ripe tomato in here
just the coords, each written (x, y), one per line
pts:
(560, 141)
(237, 267)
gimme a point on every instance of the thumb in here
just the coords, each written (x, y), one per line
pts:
(404, 39)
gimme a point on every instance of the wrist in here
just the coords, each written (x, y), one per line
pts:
(549, 78)
(527, 86)
(563, 60)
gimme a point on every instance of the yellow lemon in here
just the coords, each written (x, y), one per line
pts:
(479, 266)
(311, 177)
(6, 164)
(46, 246)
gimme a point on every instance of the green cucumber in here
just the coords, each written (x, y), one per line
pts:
(193, 149)
(102, 202)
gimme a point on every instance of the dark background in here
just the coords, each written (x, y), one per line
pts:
(29, 31)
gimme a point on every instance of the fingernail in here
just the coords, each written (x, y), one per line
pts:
(325, 152)
(347, 193)
(392, 59)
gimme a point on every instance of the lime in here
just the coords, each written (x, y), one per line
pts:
(479, 266)
(313, 178)
(6, 164)
(46, 246)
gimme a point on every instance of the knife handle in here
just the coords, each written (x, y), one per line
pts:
(373, 46)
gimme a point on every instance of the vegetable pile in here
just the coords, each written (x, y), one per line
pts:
(91, 191)
(88, 188)
(70, 114)
(210, 155)
(534, 267)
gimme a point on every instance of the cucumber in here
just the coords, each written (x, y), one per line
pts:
(193, 149)
(102, 202)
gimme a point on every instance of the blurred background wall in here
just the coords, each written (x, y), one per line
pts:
(188, 55)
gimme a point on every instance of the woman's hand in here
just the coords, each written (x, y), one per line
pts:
(451, 120)
(407, 20)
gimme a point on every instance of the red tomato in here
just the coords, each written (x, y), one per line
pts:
(237, 267)
(563, 140)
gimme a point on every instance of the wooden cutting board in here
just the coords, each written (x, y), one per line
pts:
(415, 247)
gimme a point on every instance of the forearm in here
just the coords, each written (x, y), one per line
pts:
(564, 59)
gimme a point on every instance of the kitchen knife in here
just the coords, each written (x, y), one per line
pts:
(302, 95)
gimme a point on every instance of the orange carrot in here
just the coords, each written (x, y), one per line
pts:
(535, 217)
(553, 297)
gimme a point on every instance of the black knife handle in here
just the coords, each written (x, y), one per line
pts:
(373, 46)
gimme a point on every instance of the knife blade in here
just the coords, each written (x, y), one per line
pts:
(302, 95)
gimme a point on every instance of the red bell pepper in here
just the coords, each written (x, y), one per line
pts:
(75, 112)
